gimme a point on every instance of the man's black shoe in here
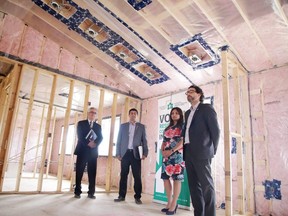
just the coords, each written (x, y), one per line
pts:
(138, 201)
(119, 199)
(77, 196)
(90, 196)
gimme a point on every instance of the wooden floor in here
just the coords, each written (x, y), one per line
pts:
(29, 203)
(29, 183)
(66, 204)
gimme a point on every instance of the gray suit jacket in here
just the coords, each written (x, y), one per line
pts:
(139, 139)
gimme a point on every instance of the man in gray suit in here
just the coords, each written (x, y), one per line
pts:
(131, 135)
(200, 145)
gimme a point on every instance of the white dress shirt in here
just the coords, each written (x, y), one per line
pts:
(131, 134)
(189, 120)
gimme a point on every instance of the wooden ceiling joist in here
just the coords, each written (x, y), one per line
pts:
(156, 23)
(177, 15)
(243, 15)
(281, 11)
(204, 10)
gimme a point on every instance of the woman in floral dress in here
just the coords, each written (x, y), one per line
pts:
(173, 164)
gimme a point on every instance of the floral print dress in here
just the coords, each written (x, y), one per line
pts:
(173, 166)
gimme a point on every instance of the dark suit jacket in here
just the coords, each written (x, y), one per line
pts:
(83, 129)
(139, 139)
(203, 133)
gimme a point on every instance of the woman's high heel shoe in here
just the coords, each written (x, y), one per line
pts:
(164, 210)
(176, 208)
(172, 212)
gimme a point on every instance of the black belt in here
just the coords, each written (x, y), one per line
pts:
(130, 150)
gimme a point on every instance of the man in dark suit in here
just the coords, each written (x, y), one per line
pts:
(131, 135)
(89, 137)
(201, 137)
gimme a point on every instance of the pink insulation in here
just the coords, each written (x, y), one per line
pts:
(82, 69)
(32, 44)
(11, 35)
(67, 61)
(95, 76)
(273, 126)
(50, 54)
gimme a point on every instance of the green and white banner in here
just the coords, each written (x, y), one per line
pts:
(164, 107)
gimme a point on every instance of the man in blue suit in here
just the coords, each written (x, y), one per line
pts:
(89, 138)
(201, 137)
(131, 135)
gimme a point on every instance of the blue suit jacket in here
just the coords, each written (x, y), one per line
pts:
(203, 133)
(83, 129)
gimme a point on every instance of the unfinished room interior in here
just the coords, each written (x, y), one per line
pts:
(58, 58)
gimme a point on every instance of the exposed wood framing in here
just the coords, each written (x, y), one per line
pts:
(51, 145)
(75, 65)
(46, 135)
(217, 27)
(59, 58)
(26, 129)
(238, 122)
(10, 116)
(63, 147)
(110, 156)
(242, 135)
(5, 109)
(216, 160)
(281, 11)
(124, 117)
(72, 178)
(139, 108)
(265, 142)
(157, 23)
(22, 40)
(13, 128)
(251, 28)
(42, 48)
(38, 142)
(3, 102)
(227, 137)
(101, 106)
(86, 101)
(177, 15)
(248, 148)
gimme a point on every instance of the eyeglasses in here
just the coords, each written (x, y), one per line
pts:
(190, 92)
(93, 112)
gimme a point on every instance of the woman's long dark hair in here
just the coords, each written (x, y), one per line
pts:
(181, 119)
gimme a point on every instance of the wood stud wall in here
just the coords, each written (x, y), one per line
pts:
(63, 147)
(72, 158)
(248, 146)
(46, 133)
(8, 125)
(8, 110)
(112, 126)
(38, 142)
(26, 130)
(245, 195)
(51, 145)
(227, 136)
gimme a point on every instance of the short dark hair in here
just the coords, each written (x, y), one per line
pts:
(198, 91)
(133, 109)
